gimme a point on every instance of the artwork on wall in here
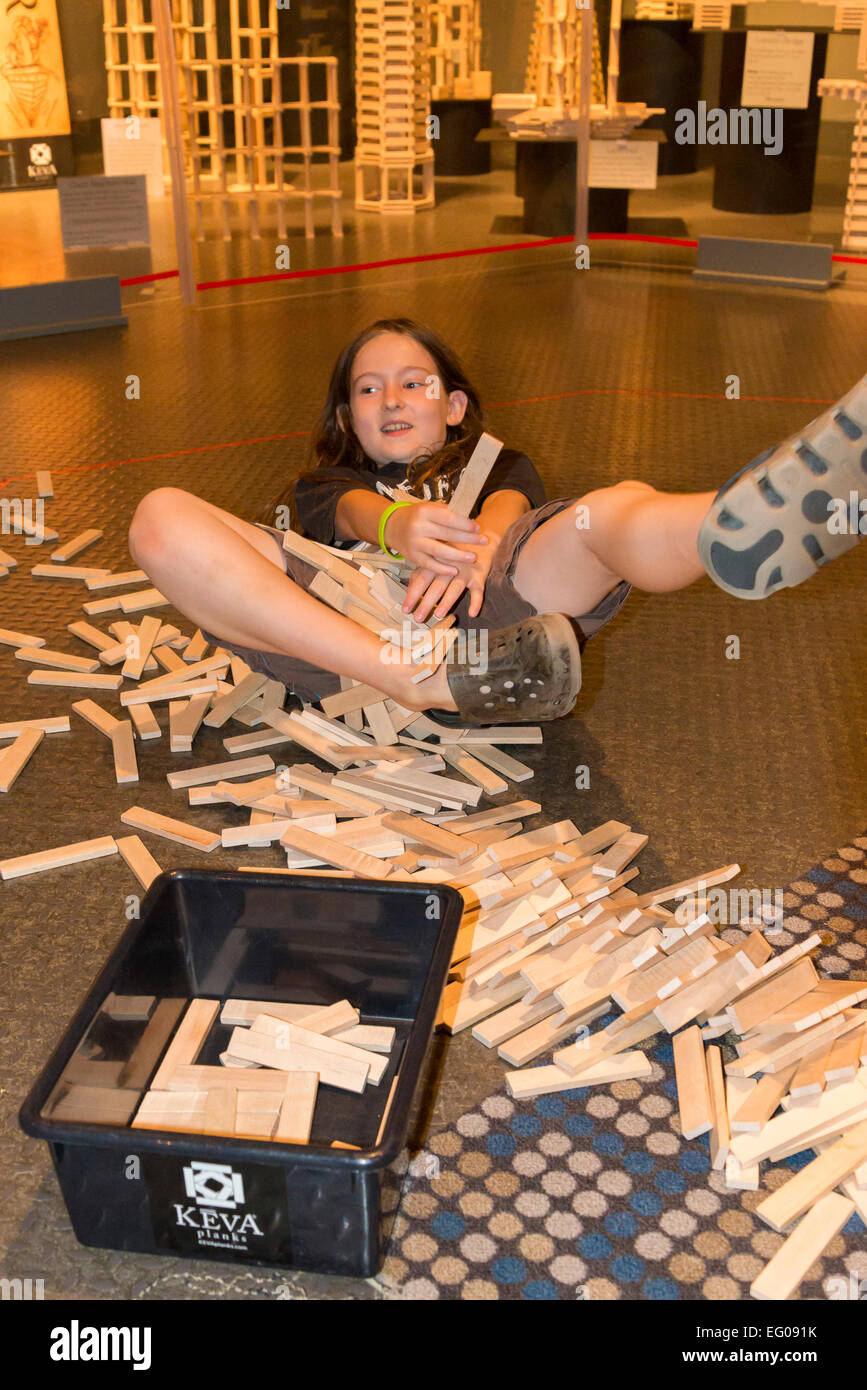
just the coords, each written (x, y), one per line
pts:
(34, 112)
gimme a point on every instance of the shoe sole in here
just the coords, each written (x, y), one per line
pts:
(771, 529)
(556, 666)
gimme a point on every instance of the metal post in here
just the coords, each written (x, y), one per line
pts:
(582, 190)
(174, 141)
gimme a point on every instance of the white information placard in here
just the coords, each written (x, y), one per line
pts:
(777, 68)
(103, 211)
(623, 163)
(134, 146)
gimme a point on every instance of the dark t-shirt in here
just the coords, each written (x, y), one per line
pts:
(317, 493)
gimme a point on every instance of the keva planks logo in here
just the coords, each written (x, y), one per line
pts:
(200, 1206)
(214, 1184)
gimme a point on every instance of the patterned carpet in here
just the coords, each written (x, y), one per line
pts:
(592, 1194)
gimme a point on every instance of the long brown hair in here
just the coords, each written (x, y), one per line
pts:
(332, 446)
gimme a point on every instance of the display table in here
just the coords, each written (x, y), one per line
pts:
(546, 172)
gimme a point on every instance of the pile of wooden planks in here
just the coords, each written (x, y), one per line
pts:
(265, 1087)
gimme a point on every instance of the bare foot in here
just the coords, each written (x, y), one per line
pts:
(431, 693)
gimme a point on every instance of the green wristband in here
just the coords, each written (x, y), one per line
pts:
(382, 523)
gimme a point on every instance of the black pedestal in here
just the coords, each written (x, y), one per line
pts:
(457, 151)
(745, 178)
(660, 64)
(546, 172)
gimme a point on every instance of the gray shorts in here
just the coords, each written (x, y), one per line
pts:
(501, 607)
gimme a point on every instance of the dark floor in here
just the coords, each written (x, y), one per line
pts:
(600, 376)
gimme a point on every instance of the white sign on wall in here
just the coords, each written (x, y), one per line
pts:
(777, 68)
(623, 163)
(102, 211)
(134, 146)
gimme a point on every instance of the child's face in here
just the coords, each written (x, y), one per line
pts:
(395, 382)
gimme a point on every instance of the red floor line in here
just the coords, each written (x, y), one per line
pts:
(494, 405)
(439, 256)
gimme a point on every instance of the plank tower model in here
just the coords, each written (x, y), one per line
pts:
(394, 161)
(456, 39)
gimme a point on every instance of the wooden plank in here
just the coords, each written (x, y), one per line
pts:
(146, 1052)
(370, 1036)
(542, 1036)
(182, 691)
(282, 1034)
(216, 772)
(621, 853)
(188, 1040)
(474, 475)
(10, 638)
(181, 832)
(809, 1077)
(442, 841)
(347, 700)
(74, 573)
(296, 1112)
(85, 632)
(760, 1003)
(134, 665)
(74, 680)
(139, 858)
(844, 1056)
(144, 722)
(15, 756)
(197, 1077)
(474, 768)
(517, 1018)
(241, 1012)
(116, 581)
(781, 1276)
(57, 858)
(775, 1058)
(345, 1073)
(502, 762)
(123, 748)
(101, 605)
(720, 1134)
(693, 1092)
(763, 1101)
(199, 671)
(331, 852)
(60, 661)
(223, 708)
(44, 485)
(220, 1114)
(187, 720)
(791, 1131)
(70, 549)
(546, 1081)
(58, 724)
(145, 598)
(789, 1202)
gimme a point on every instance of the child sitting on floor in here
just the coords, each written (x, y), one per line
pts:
(539, 578)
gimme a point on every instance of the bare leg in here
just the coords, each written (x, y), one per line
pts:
(226, 576)
(629, 531)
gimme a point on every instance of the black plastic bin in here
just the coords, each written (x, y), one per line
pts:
(385, 947)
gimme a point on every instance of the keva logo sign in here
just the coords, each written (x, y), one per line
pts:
(210, 1208)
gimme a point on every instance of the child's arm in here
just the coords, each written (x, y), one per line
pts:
(427, 533)
(431, 593)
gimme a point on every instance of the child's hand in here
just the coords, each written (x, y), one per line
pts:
(428, 533)
(438, 595)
